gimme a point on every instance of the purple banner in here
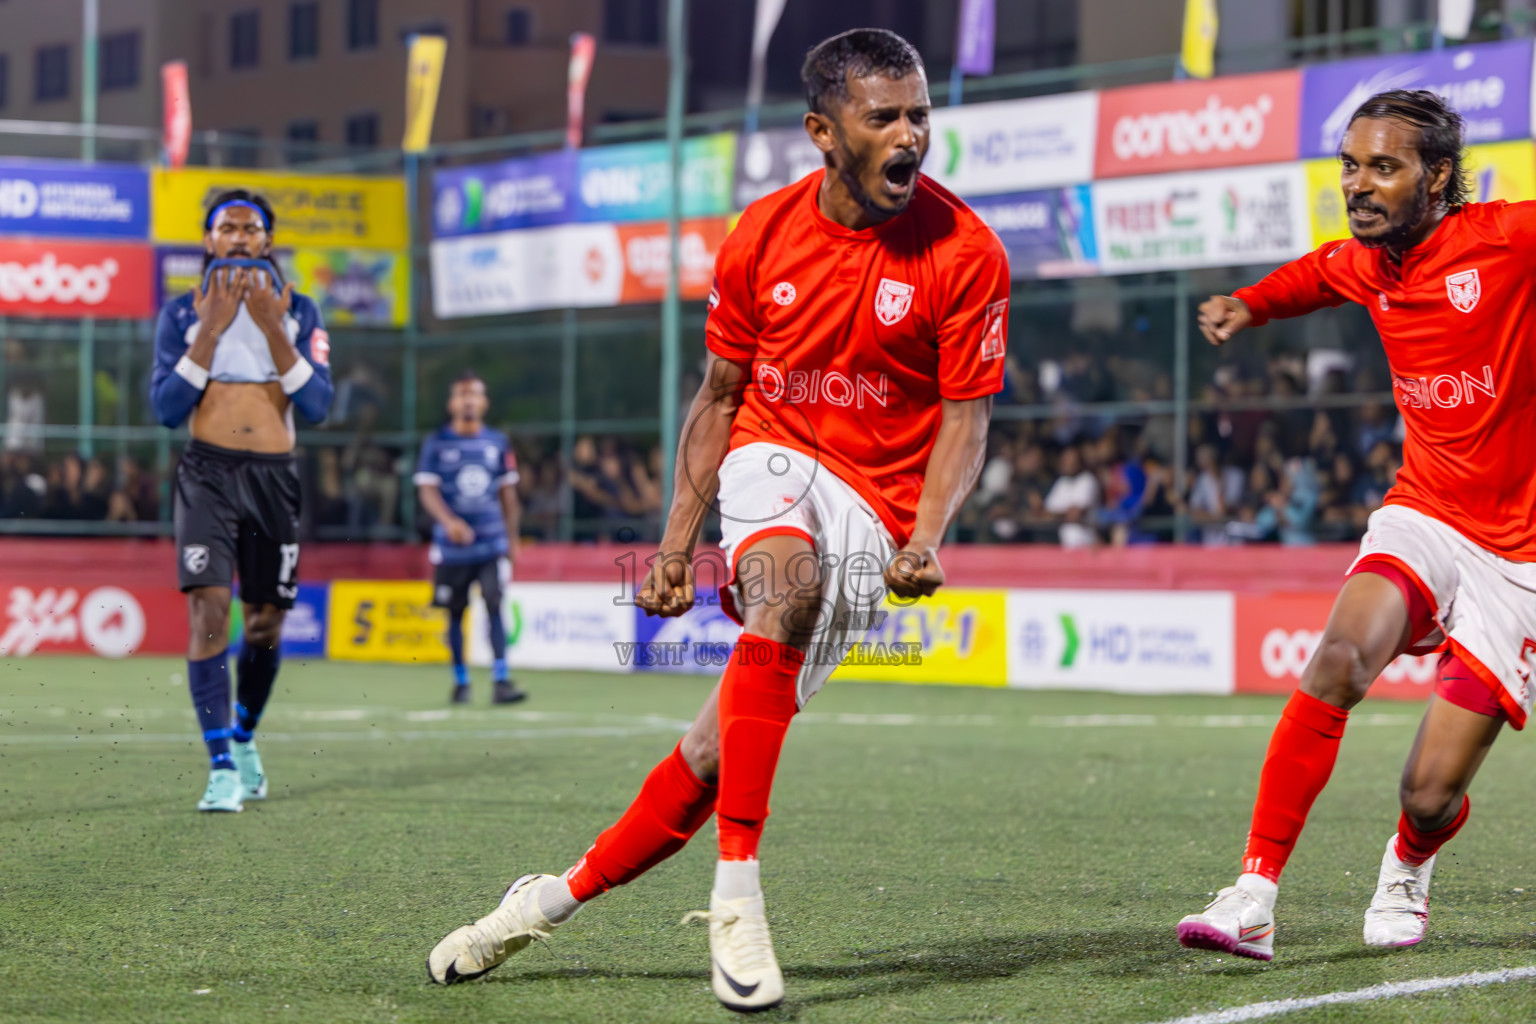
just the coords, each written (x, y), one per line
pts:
(978, 30)
(1047, 233)
(1489, 85)
(524, 193)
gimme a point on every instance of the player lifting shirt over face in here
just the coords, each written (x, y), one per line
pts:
(235, 357)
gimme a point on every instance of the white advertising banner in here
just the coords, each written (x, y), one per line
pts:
(1124, 641)
(1231, 217)
(1015, 145)
(516, 271)
(557, 625)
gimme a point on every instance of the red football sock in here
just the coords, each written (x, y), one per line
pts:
(1300, 759)
(757, 701)
(1415, 847)
(672, 805)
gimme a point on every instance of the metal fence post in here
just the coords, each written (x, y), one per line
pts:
(1181, 403)
(671, 309)
(568, 341)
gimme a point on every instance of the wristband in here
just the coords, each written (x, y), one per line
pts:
(193, 374)
(297, 376)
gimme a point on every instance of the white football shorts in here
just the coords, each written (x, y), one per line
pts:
(1485, 605)
(768, 489)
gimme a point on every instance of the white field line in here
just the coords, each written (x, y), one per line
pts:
(1194, 721)
(1390, 990)
(372, 735)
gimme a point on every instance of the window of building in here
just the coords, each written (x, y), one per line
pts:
(242, 147)
(363, 131)
(5, 79)
(362, 24)
(245, 39)
(52, 72)
(303, 31)
(302, 137)
(120, 61)
(519, 26)
(635, 22)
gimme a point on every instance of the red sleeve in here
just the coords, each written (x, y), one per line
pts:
(731, 330)
(1518, 221)
(973, 334)
(1297, 288)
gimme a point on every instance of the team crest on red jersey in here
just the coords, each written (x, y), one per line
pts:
(892, 301)
(1464, 288)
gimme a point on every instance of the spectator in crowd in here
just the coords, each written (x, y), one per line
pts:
(1207, 499)
(1073, 499)
(1123, 481)
(370, 480)
(1371, 486)
(1296, 502)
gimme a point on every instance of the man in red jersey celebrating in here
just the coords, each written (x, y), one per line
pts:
(1450, 560)
(856, 333)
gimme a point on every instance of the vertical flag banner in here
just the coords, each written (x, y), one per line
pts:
(767, 19)
(178, 112)
(975, 43)
(583, 47)
(423, 76)
(1200, 24)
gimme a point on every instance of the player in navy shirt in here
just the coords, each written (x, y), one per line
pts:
(466, 479)
(234, 359)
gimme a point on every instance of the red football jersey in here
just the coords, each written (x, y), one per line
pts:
(1458, 320)
(855, 336)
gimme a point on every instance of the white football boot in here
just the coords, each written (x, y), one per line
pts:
(253, 778)
(223, 792)
(744, 972)
(1240, 920)
(1399, 912)
(468, 952)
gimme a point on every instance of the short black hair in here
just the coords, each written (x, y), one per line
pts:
(240, 195)
(1441, 133)
(859, 52)
(465, 376)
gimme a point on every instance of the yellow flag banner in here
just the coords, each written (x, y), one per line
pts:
(1199, 52)
(423, 76)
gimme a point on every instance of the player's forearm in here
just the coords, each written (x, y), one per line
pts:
(431, 499)
(512, 514)
(696, 475)
(953, 468)
(203, 346)
(284, 355)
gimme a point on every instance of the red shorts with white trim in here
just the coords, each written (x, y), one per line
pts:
(1484, 606)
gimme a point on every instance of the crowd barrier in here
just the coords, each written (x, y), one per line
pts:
(1103, 631)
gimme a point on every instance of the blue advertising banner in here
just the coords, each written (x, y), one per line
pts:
(700, 640)
(528, 192)
(60, 197)
(1047, 233)
(1489, 84)
(629, 182)
(303, 627)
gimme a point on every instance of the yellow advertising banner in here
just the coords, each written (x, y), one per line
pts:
(959, 635)
(1499, 170)
(385, 620)
(328, 212)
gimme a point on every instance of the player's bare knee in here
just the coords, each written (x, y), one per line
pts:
(1337, 673)
(701, 749)
(207, 617)
(1429, 804)
(264, 628)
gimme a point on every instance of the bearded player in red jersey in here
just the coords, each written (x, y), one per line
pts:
(856, 334)
(1450, 560)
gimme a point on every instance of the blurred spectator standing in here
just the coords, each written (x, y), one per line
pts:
(1072, 500)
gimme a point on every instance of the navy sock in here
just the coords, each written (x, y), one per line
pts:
(209, 681)
(255, 672)
(498, 642)
(456, 646)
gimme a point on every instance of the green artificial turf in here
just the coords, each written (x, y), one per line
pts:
(934, 854)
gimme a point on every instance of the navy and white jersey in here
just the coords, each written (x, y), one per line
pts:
(242, 356)
(470, 472)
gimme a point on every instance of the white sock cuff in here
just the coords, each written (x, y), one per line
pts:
(1260, 886)
(556, 902)
(737, 879)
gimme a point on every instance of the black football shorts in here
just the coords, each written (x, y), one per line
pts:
(237, 513)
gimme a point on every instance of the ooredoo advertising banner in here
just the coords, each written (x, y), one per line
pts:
(109, 620)
(632, 181)
(1247, 215)
(529, 192)
(1219, 122)
(570, 265)
(312, 210)
(1122, 641)
(52, 278)
(1047, 233)
(58, 197)
(1489, 84)
(1014, 145)
(1277, 633)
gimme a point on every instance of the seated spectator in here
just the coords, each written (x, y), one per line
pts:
(1021, 507)
(1207, 505)
(1298, 505)
(1371, 486)
(1072, 501)
(1124, 484)
(1335, 503)
(1159, 505)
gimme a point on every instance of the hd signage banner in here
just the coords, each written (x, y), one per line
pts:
(1236, 217)
(1489, 84)
(1014, 145)
(59, 197)
(312, 210)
